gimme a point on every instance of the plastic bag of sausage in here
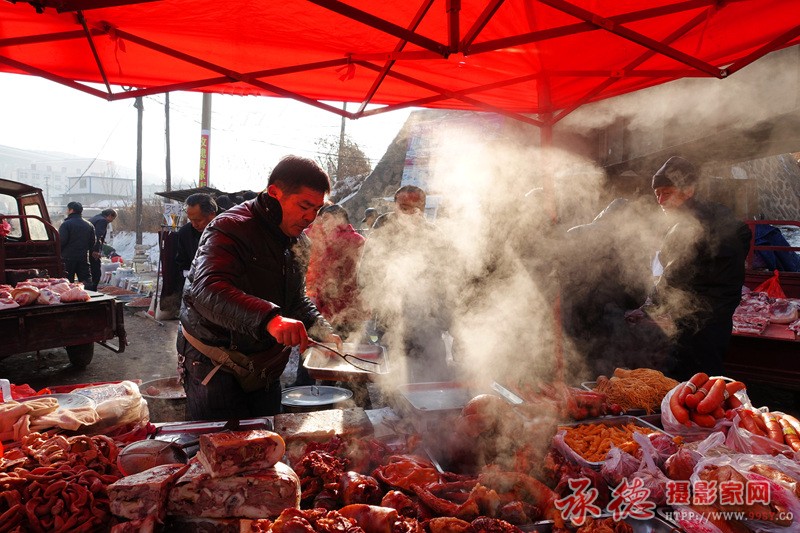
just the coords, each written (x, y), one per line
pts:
(749, 434)
(768, 502)
(692, 432)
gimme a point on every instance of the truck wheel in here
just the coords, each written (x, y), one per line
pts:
(81, 355)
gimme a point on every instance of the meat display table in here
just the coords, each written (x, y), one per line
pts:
(772, 358)
(74, 325)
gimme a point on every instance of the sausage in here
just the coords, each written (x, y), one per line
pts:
(696, 381)
(714, 398)
(774, 430)
(733, 387)
(693, 400)
(680, 412)
(733, 402)
(789, 434)
(748, 422)
(793, 422)
(759, 420)
(718, 413)
(704, 421)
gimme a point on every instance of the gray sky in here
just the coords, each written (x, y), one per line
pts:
(249, 134)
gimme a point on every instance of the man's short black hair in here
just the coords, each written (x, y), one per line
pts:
(76, 207)
(294, 172)
(207, 204)
(108, 213)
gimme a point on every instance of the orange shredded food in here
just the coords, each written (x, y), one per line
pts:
(641, 388)
(593, 441)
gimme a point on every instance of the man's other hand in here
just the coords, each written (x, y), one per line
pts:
(289, 332)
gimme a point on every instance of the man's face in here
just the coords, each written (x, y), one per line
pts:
(198, 219)
(410, 203)
(670, 198)
(111, 218)
(299, 208)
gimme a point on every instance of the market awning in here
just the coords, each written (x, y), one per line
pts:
(541, 58)
(182, 194)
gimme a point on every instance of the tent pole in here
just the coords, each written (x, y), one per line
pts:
(546, 142)
(166, 139)
(341, 142)
(139, 105)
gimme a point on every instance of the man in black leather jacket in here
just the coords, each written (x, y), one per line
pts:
(702, 256)
(246, 293)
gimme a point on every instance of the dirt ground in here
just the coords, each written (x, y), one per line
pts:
(149, 355)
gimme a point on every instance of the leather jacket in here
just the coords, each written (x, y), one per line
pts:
(247, 271)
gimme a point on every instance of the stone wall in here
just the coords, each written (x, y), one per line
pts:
(777, 180)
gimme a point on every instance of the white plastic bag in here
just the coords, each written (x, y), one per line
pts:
(744, 441)
(781, 498)
(690, 433)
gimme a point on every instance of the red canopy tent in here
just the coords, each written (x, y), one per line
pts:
(534, 60)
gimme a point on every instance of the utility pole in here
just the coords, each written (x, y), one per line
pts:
(205, 139)
(166, 136)
(139, 105)
(341, 142)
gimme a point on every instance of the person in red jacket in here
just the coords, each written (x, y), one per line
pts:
(331, 280)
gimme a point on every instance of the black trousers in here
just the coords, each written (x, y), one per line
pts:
(703, 350)
(79, 268)
(94, 265)
(222, 398)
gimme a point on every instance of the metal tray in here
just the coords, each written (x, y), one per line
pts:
(203, 427)
(322, 364)
(612, 421)
(590, 385)
(431, 406)
(435, 396)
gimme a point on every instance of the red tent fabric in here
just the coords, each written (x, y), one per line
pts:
(541, 58)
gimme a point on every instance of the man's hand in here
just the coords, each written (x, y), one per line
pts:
(96, 255)
(289, 332)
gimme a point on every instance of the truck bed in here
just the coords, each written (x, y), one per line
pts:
(40, 327)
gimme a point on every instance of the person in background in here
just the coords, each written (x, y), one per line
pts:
(100, 222)
(224, 202)
(77, 240)
(370, 216)
(404, 276)
(332, 277)
(244, 304)
(604, 270)
(703, 260)
(200, 210)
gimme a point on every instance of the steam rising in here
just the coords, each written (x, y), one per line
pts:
(507, 258)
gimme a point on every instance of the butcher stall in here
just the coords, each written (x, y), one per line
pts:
(765, 347)
(631, 452)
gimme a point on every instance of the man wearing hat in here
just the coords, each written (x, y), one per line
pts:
(702, 255)
(370, 214)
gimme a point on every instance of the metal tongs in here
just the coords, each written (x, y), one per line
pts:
(347, 357)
